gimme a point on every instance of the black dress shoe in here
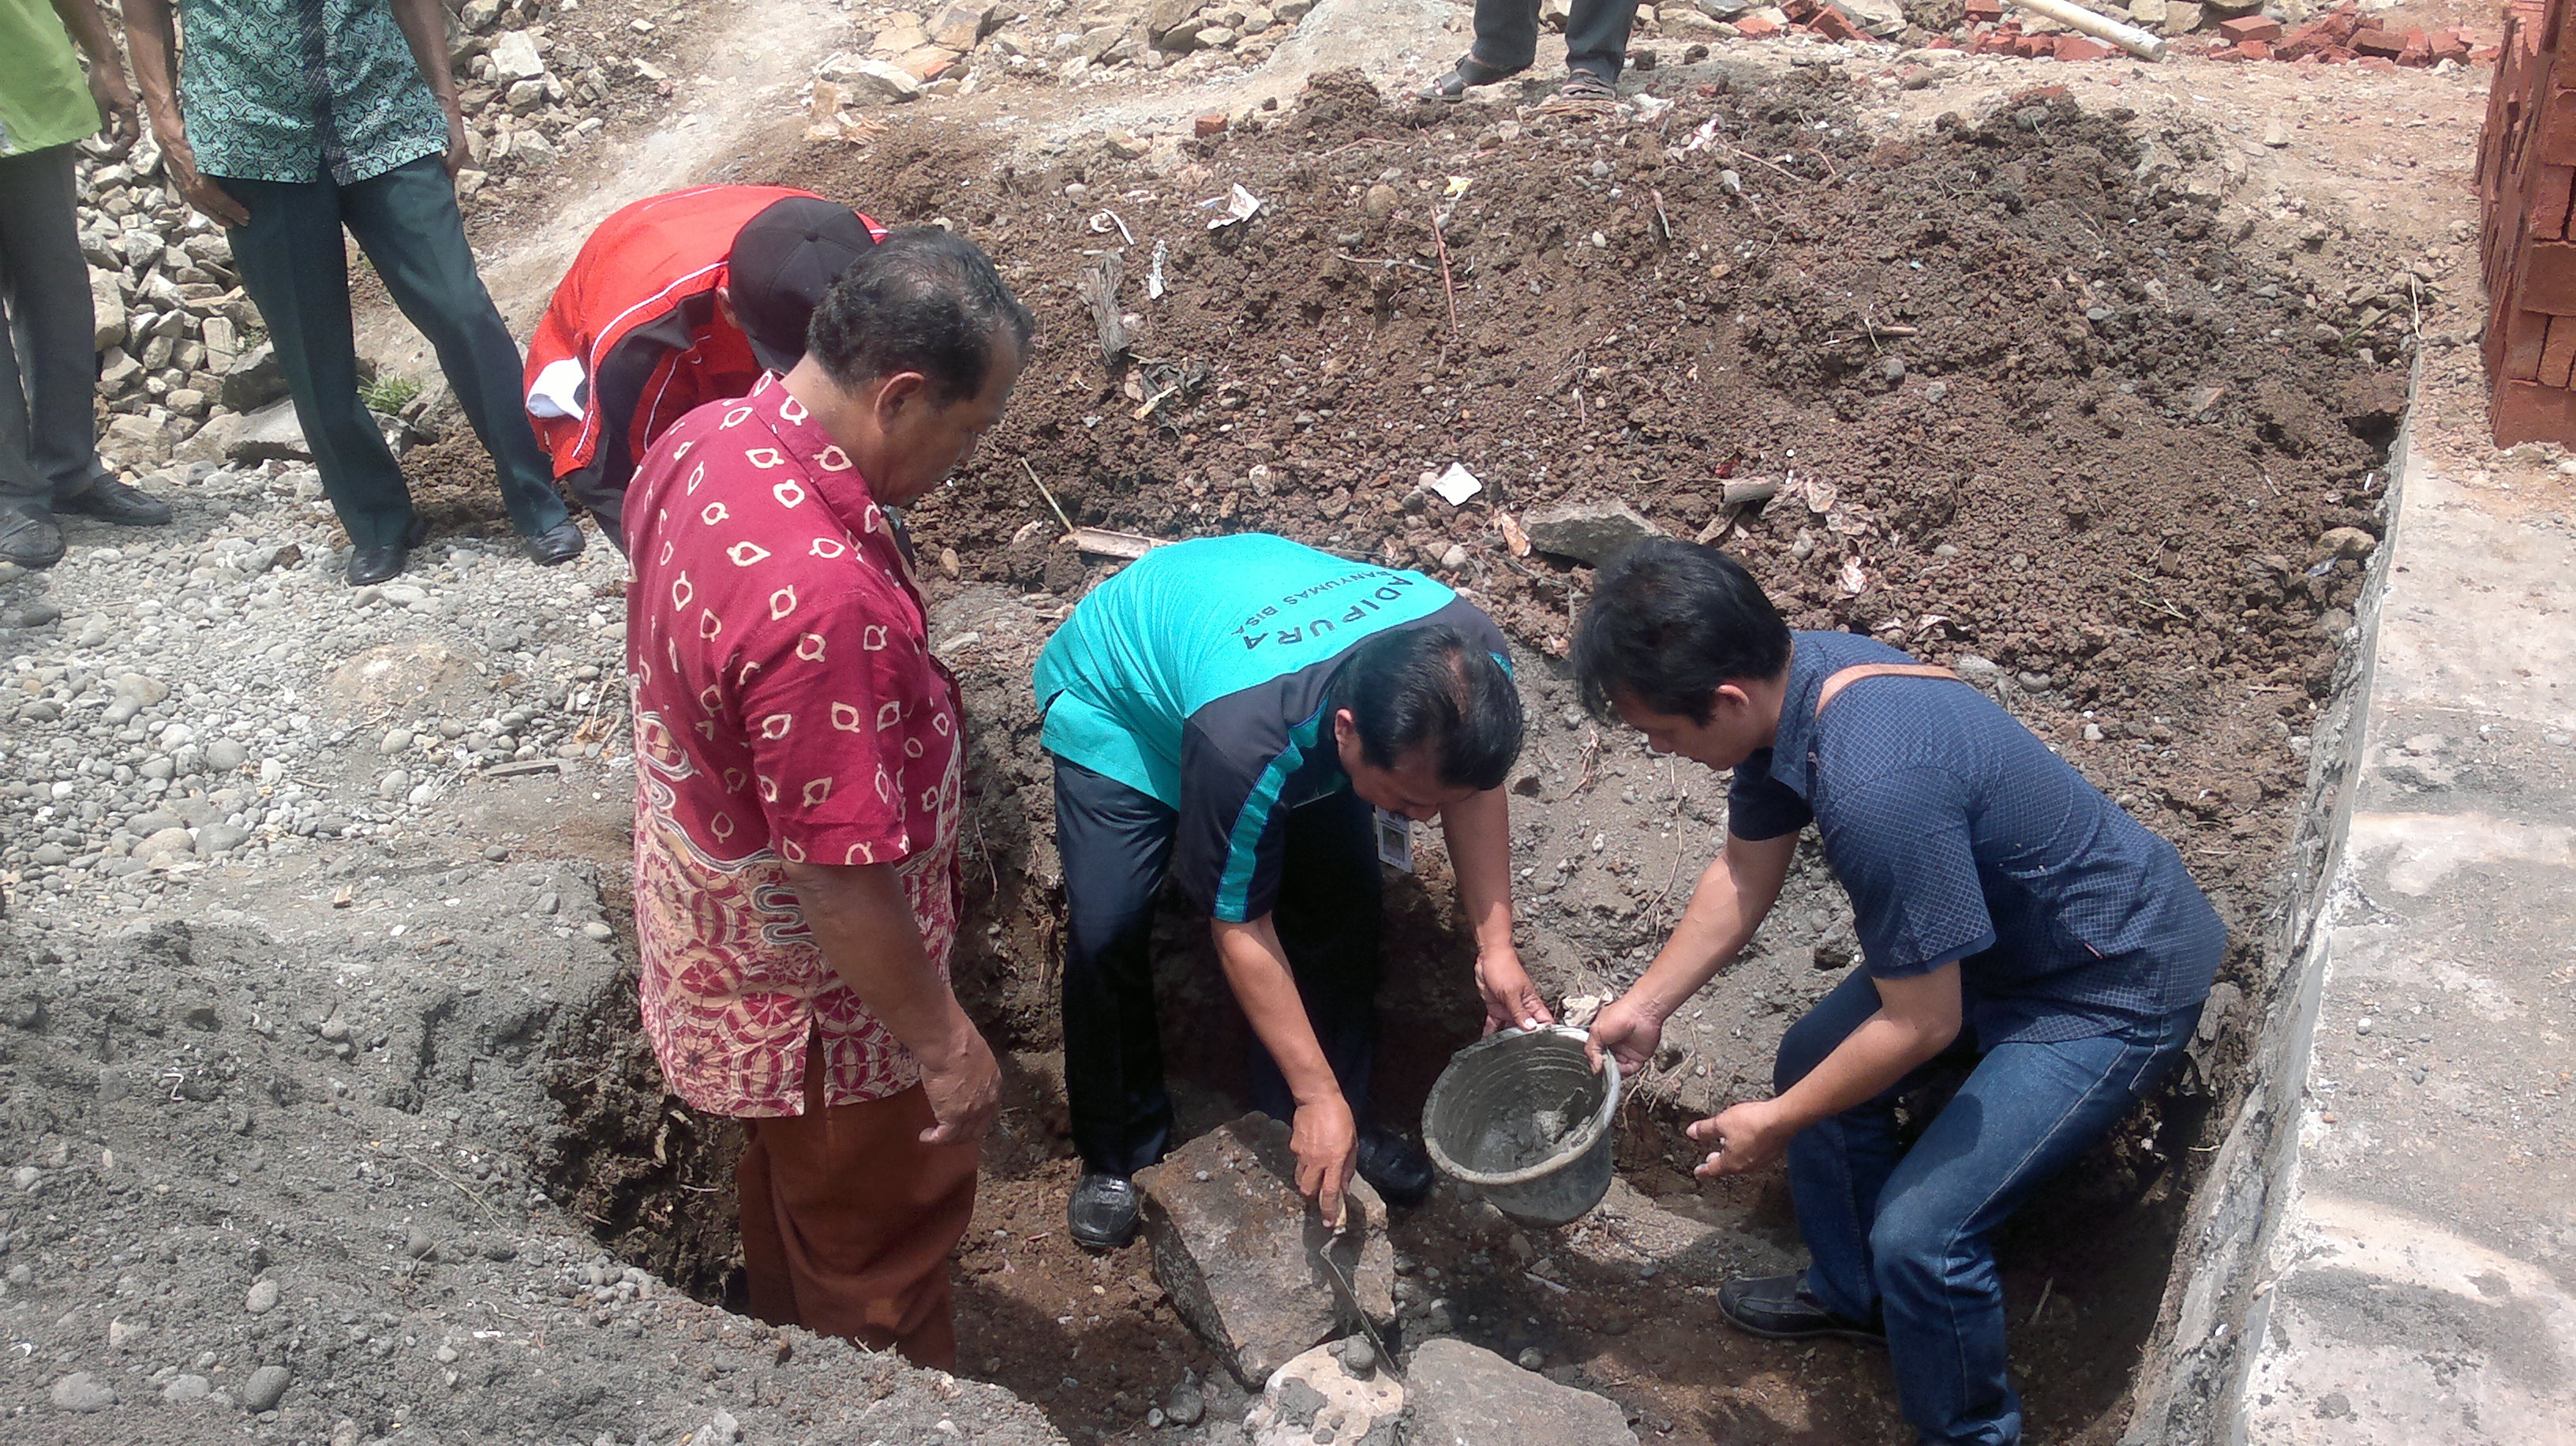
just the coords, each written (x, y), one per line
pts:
(109, 500)
(1779, 1308)
(29, 536)
(375, 564)
(1102, 1213)
(559, 543)
(1396, 1167)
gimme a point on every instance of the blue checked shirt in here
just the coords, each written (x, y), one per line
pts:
(1959, 835)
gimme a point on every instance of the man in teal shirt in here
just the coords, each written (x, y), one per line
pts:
(1228, 710)
(290, 119)
(48, 430)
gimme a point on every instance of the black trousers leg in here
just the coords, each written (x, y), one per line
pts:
(1114, 843)
(1596, 36)
(48, 372)
(1330, 920)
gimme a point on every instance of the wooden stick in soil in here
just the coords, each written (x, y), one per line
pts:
(1049, 496)
(1446, 284)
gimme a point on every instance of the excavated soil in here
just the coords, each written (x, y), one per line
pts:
(2031, 406)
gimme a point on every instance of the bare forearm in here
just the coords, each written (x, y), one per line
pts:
(82, 19)
(1256, 968)
(424, 24)
(151, 40)
(861, 921)
(1868, 1061)
(1478, 833)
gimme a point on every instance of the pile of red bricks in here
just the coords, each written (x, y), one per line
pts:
(2526, 159)
(1988, 33)
(2344, 37)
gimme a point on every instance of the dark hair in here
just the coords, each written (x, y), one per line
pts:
(1429, 687)
(1668, 624)
(922, 300)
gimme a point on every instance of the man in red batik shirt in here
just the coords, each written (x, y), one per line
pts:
(797, 798)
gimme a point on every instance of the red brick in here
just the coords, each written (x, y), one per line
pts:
(2032, 47)
(1211, 124)
(2449, 46)
(2526, 337)
(1833, 25)
(2558, 358)
(2553, 130)
(2485, 54)
(2250, 27)
(2548, 281)
(2553, 188)
(1988, 11)
(2339, 27)
(2525, 412)
(2256, 50)
(1755, 27)
(2301, 43)
(2076, 47)
(2378, 42)
(2376, 63)
(1940, 42)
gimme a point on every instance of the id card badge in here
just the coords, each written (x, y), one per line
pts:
(1394, 840)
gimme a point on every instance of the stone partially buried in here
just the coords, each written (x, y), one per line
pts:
(1231, 1239)
(1592, 532)
(1462, 1395)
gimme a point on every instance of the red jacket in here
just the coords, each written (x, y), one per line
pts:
(634, 324)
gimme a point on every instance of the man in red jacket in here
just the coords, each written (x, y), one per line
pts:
(676, 301)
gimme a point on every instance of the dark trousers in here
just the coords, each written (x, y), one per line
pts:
(48, 367)
(1906, 1234)
(296, 269)
(1596, 35)
(1115, 843)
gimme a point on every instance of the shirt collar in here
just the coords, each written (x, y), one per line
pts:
(1789, 742)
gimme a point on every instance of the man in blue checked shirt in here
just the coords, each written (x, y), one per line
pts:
(1228, 710)
(2011, 917)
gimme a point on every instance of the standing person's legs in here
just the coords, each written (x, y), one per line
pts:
(1114, 843)
(28, 534)
(1506, 35)
(848, 1220)
(1596, 36)
(50, 312)
(2026, 1112)
(407, 221)
(1330, 919)
(296, 268)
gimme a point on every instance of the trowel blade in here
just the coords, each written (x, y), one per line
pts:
(1347, 1303)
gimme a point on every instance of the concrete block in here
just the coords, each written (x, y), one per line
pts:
(1231, 1239)
(1592, 532)
(1463, 1395)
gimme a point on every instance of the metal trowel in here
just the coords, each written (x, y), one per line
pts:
(1346, 1298)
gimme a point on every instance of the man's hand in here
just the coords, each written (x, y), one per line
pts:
(1327, 1142)
(965, 1089)
(180, 161)
(1511, 1000)
(116, 104)
(459, 155)
(1748, 1136)
(1627, 1032)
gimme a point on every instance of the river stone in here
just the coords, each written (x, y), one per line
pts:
(172, 841)
(1592, 532)
(265, 1386)
(79, 1392)
(1458, 1392)
(1231, 1240)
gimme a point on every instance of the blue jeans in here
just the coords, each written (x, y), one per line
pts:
(1905, 1236)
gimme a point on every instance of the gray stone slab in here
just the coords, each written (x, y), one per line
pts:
(1462, 1395)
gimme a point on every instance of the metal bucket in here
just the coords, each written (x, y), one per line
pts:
(1521, 1117)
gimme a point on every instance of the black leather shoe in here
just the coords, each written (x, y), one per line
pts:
(375, 564)
(1397, 1168)
(29, 536)
(1102, 1213)
(109, 500)
(559, 543)
(1779, 1308)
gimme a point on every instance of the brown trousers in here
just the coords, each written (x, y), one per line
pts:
(848, 1220)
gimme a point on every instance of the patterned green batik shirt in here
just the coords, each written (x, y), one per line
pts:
(296, 90)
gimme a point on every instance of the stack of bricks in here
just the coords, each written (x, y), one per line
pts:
(2526, 161)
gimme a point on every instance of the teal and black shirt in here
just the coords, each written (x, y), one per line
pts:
(1198, 676)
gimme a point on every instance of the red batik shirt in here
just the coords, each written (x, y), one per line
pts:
(787, 709)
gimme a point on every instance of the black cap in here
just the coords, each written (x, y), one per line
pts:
(783, 260)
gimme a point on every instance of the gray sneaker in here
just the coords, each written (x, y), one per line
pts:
(29, 536)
